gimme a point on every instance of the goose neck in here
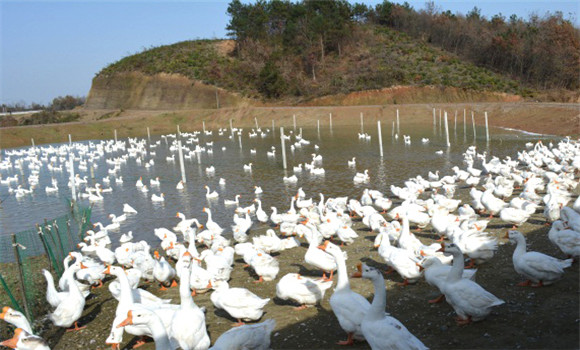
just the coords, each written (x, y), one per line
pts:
(158, 333)
(379, 303)
(184, 291)
(457, 269)
(342, 282)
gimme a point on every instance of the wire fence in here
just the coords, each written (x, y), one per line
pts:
(25, 254)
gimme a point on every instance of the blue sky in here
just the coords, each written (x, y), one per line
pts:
(54, 48)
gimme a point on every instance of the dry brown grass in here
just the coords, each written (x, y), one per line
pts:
(547, 118)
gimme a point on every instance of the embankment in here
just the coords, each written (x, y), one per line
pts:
(545, 118)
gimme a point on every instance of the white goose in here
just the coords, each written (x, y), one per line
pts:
(539, 268)
(23, 340)
(348, 307)
(469, 300)
(188, 323)
(212, 225)
(255, 336)
(380, 330)
(211, 195)
(158, 198)
(566, 239)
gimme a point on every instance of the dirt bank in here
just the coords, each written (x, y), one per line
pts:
(545, 118)
(539, 318)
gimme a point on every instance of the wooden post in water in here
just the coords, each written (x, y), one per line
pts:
(447, 130)
(330, 121)
(393, 130)
(273, 128)
(115, 135)
(473, 123)
(362, 129)
(72, 173)
(20, 276)
(455, 128)
(240, 139)
(398, 125)
(294, 117)
(180, 151)
(486, 128)
(148, 135)
(256, 120)
(283, 147)
(203, 126)
(32, 140)
(464, 127)
(440, 121)
(380, 137)
(318, 127)
(434, 122)
(231, 129)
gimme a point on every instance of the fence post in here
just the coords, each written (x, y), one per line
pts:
(57, 232)
(69, 234)
(9, 292)
(20, 276)
(41, 236)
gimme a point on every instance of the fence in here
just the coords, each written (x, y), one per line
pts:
(26, 253)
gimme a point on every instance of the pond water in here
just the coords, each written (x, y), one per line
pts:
(400, 161)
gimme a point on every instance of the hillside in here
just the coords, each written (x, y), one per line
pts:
(181, 75)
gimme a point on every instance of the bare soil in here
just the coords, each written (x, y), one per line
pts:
(531, 318)
(544, 118)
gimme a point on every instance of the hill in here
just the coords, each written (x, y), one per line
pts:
(300, 52)
(181, 74)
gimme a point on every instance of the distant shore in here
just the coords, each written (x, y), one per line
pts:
(561, 119)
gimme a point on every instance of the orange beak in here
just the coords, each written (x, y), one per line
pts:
(108, 270)
(5, 309)
(156, 253)
(13, 342)
(324, 245)
(187, 253)
(506, 235)
(442, 249)
(209, 285)
(83, 266)
(128, 321)
(358, 273)
(420, 267)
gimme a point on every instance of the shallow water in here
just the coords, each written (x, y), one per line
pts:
(399, 162)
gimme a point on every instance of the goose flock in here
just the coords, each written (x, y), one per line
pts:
(198, 255)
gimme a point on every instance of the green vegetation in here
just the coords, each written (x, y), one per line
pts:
(50, 117)
(302, 50)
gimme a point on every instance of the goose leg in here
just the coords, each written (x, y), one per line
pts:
(260, 280)
(76, 328)
(463, 321)
(348, 341)
(239, 323)
(142, 341)
(438, 299)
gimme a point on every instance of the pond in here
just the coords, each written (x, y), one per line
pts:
(94, 161)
